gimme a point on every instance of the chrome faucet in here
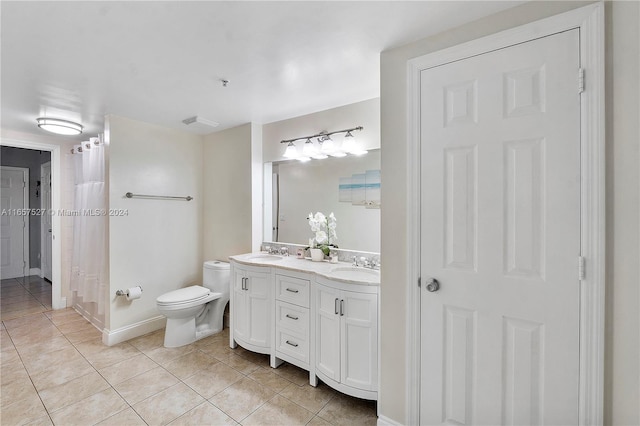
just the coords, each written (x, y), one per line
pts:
(366, 262)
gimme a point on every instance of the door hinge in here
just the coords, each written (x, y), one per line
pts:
(581, 80)
(581, 268)
(419, 282)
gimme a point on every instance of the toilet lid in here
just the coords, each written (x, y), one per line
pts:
(182, 295)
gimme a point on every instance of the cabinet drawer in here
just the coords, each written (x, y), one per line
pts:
(292, 317)
(293, 344)
(292, 290)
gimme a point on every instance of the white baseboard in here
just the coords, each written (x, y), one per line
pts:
(35, 271)
(385, 421)
(113, 337)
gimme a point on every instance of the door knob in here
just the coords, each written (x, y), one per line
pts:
(433, 285)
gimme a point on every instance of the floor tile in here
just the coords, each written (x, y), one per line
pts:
(23, 410)
(110, 355)
(84, 335)
(149, 341)
(91, 410)
(212, 380)
(242, 398)
(35, 363)
(313, 399)
(127, 417)
(279, 411)
(269, 379)
(318, 421)
(293, 374)
(9, 355)
(12, 371)
(128, 368)
(73, 391)
(16, 390)
(204, 414)
(239, 363)
(44, 346)
(187, 365)
(61, 373)
(81, 381)
(72, 326)
(168, 405)
(145, 385)
(164, 355)
(344, 410)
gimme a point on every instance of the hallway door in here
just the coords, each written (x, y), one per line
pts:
(14, 221)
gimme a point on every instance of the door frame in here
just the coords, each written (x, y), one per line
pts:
(57, 301)
(26, 250)
(43, 233)
(590, 22)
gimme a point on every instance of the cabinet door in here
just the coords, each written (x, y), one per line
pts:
(258, 310)
(359, 340)
(328, 331)
(239, 306)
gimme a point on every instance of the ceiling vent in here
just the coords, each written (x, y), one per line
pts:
(200, 125)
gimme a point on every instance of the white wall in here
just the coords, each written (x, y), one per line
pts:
(365, 113)
(158, 245)
(228, 215)
(622, 341)
(622, 353)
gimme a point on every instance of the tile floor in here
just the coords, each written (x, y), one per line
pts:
(55, 370)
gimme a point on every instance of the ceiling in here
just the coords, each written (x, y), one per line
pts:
(162, 62)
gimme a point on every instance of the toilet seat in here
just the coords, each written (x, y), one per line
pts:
(186, 297)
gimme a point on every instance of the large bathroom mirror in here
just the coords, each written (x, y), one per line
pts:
(298, 189)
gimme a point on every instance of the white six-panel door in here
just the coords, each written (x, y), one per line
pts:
(14, 221)
(500, 231)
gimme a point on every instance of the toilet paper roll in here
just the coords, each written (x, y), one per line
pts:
(134, 293)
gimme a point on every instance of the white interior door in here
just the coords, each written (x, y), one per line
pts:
(45, 220)
(14, 235)
(500, 231)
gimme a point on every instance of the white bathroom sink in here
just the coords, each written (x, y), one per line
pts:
(352, 273)
(264, 257)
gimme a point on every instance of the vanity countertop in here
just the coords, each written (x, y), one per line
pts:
(341, 271)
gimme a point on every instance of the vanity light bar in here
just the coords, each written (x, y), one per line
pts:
(323, 135)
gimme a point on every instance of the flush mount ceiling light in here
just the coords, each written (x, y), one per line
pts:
(59, 126)
(327, 146)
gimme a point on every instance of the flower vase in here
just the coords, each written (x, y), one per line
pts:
(316, 255)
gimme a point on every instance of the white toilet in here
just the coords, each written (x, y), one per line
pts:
(197, 311)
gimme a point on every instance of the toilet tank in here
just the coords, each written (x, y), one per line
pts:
(216, 276)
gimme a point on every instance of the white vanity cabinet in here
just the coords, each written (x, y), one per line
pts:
(346, 336)
(292, 318)
(251, 308)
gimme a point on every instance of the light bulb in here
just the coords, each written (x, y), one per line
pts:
(291, 151)
(309, 150)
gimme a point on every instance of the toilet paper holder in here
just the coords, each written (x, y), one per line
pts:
(125, 292)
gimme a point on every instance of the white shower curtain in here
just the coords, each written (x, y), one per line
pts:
(88, 260)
